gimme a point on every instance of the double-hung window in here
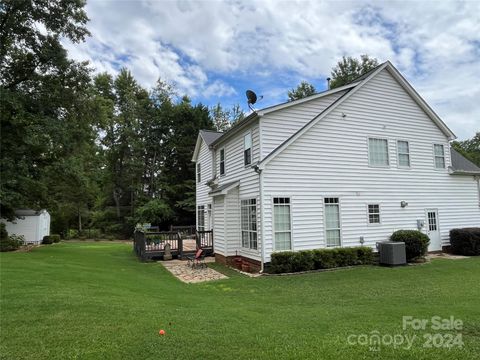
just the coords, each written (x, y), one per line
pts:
(403, 152)
(439, 153)
(249, 223)
(374, 214)
(222, 162)
(247, 149)
(378, 152)
(332, 221)
(282, 225)
(201, 218)
(199, 172)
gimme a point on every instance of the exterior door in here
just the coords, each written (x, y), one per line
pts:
(433, 230)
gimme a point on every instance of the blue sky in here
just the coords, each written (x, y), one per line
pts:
(215, 50)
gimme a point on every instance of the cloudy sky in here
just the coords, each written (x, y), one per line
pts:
(213, 51)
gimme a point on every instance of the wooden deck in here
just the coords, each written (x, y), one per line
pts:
(150, 245)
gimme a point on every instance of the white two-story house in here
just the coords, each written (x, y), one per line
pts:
(345, 167)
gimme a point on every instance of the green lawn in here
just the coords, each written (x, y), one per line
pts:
(96, 301)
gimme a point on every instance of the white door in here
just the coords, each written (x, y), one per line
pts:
(433, 230)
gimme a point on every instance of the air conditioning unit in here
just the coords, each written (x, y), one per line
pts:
(392, 253)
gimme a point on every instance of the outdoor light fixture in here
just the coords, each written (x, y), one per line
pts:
(403, 204)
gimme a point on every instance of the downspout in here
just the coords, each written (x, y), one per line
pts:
(262, 237)
(478, 187)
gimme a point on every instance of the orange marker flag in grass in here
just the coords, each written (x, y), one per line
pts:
(161, 332)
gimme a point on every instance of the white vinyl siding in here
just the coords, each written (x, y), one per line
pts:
(439, 154)
(282, 224)
(332, 221)
(373, 213)
(403, 153)
(378, 152)
(330, 161)
(249, 223)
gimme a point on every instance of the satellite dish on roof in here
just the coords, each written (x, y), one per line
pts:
(251, 99)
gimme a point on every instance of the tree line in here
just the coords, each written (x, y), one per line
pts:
(98, 151)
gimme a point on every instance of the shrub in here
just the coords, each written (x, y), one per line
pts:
(365, 255)
(288, 261)
(9, 243)
(47, 240)
(465, 241)
(55, 238)
(416, 243)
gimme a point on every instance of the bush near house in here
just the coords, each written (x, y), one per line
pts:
(55, 238)
(465, 241)
(9, 243)
(416, 243)
(289, 261)
(47, 240)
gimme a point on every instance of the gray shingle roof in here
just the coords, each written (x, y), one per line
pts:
(210, 136)
(460, 164)
(28, 212)
(219, 189)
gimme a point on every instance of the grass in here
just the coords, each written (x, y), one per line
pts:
(96, 301)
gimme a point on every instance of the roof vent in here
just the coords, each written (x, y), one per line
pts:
(328, 83)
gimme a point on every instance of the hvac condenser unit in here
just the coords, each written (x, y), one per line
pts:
(392, 253)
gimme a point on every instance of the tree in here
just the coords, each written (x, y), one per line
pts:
(43, 98)
(469, 148)
(349, 68)
(224, 119)
(304, 89)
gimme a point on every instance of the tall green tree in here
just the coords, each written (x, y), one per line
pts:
(303, 90)
(43, 97)
(469, 148)
(350, 68)
(224, 118)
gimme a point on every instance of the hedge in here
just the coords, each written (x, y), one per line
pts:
(289, 261)
(465, 241)
(416, 243)
(55, 238)
(9, 243)
(47, 240)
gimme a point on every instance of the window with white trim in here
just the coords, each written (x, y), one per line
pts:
(199, 172)
(439, 153)
(374, 214)
(249, 223)
(378, 152)
(222, 162)
(282, 223)
(332, 221)
(201, 218)
(247, 149)
(403, 152)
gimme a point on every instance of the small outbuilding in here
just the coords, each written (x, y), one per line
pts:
(32, 224)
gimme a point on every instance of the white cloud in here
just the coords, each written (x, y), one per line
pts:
(199, 45)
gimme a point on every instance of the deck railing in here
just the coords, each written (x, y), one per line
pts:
(205, 239)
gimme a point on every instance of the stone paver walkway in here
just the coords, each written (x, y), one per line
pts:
(186, 274)
(445, 256)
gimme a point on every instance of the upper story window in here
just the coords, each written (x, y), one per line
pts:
(439, 153)
(222, 161)
(403, 152)
(378, 152)
(199, 172)
(247, 149)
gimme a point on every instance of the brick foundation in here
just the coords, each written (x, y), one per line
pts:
(239, 262)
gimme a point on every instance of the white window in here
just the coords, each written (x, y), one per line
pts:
(403, 152)
(374, 214)
(282, 225)
(247, 149)
(199, 172)
(201, 218)
(332, 221)
(378, 152)
(439, 153)
(222, 162)
(249, 223)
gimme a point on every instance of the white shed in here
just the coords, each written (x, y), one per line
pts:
(33, 225)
